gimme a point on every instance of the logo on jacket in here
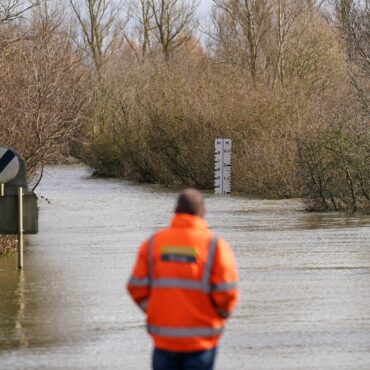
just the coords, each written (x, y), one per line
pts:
(179, 254)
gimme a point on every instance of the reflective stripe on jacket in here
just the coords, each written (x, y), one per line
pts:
(185, 281)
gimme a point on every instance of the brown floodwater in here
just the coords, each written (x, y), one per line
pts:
(304, 281)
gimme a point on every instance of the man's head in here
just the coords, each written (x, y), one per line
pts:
(190, 201)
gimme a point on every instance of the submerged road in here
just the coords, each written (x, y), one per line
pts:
(305, 281)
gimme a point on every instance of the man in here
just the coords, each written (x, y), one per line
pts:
(185, 281)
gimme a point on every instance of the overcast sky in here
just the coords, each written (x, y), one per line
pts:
(205, 7)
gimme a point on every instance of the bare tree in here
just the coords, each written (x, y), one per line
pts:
(41, 95)
(353, 22)
(14, 9)
(138, 34)
(96, 19)
(174, 22)
(241, 26)
(255, 34)
(287, 12)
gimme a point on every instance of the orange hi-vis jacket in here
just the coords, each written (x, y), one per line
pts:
(185, 280)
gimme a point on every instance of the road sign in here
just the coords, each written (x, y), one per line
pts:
(9, 165)
(9, 215)
(223, 149)
(18, 206)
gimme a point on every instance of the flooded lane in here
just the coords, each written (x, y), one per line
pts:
(304, 281)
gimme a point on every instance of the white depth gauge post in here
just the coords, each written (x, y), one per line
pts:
(223, 166)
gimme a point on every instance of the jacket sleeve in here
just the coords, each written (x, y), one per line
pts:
(138, 285)
(224, 291)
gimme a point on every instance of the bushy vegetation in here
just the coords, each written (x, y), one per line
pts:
(334, 162)
(273, 77)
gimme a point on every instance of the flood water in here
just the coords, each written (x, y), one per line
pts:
(305, 281)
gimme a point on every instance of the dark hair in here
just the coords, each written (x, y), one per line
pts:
(190, 201)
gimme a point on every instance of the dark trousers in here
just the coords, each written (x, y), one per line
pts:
(168, 360)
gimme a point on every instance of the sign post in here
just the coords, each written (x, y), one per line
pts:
(223, 150)
(18, 206)
(20, 227)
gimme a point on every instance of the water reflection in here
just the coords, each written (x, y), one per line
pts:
(333, 220)
(21, 301)
(12, 305)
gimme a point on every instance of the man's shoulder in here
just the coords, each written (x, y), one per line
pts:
(178, 232)
(158, 233)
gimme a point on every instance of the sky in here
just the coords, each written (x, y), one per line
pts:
(205, 7)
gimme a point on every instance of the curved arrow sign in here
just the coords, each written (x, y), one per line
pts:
(9, 165)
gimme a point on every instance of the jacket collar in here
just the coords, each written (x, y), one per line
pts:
(184, 220)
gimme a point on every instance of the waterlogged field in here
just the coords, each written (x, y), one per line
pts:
(304, 280)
